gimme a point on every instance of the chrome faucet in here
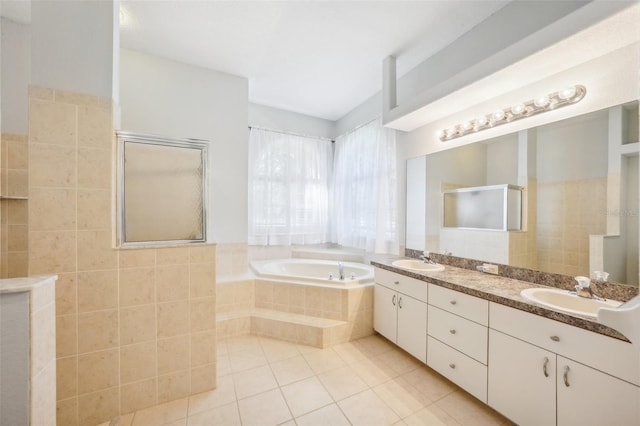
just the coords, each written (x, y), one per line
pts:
(341, 270)
(583, 289)
(426, 256)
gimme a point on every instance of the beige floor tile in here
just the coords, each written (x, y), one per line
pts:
(245, 360)
(305, 396)
(342, 383)
(227, 415)
(325, 416)
(325, 360)
(291, 370)
(243, 343)
(162, 414)
(430, 416)
(375, 345)
(403, 398)
(400, 361)
(265, 409)
(350, 352)
(467, 410)
(223, 365)
(254, 381)
(367, 409)
(224, 394)
(126, 420)
(221, 347)
(288, 423)
(373, 373)
(430, 383)
(181, 422)
(276, 350)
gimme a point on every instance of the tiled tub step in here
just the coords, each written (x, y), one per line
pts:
(295, 328)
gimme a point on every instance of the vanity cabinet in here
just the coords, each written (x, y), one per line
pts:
(545, 372)
(400, 311)
(457, 338)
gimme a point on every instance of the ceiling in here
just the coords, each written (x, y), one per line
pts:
(320, 58)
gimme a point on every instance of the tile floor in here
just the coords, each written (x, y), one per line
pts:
(367, 382)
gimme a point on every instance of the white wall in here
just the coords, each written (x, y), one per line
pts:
(290, 122)
(164, 97)
(15, 74)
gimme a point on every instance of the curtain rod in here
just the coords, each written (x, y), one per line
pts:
(359, 126)
(292, 133)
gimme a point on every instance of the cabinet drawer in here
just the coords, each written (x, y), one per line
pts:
(461, 304)
(612, 356)
(466, 336)
(467, 373)
(409, 286)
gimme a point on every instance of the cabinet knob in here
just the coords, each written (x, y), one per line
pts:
(452, 331)
(400, 302)
(544, 367)
(452, 366)
(396, 282)
(393, 300)
(453, 302)
(555, 338)
(565, 376)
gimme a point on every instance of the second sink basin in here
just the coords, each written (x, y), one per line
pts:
(564, 301)
(417, 265)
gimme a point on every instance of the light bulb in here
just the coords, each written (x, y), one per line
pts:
(541, 102)
(481, 121)
(451, 132)
(518, 109)
(442, 134)
(498, 115)
(467, 125)
(567, 93)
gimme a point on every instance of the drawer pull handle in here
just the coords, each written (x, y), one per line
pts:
(544, 367)
(452, 365)
(555, 338)
(393, 300)
(396, 282)
(565, 376)
(453, 302)
(452, 331)
(400, 302)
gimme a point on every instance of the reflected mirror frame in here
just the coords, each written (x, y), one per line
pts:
(123, 138)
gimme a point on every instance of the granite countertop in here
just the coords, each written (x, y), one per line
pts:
(19, 285)
(499, 289)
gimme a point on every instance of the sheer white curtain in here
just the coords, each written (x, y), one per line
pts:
(364, 189)
(289, 178)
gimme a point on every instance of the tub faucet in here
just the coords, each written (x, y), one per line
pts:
(341, 270)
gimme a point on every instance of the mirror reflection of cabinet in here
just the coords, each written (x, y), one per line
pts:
(581, 183)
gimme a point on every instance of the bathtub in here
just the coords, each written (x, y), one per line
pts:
(313, 271)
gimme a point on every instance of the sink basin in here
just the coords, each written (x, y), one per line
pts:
(417, 265)
(564, 301)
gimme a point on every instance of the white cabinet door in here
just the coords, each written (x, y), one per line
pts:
(385, 318)
(590, 397)
(412, 326)
(522, 381)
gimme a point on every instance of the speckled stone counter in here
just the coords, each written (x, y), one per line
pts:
(505, 291)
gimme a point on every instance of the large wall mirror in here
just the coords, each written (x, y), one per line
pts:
(161, 191)
(579, 202)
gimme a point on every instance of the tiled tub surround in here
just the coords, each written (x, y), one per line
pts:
(134, 327)
(27, 331)
(506, 290)
(318, 316)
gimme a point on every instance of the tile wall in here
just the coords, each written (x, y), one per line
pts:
(134, 327)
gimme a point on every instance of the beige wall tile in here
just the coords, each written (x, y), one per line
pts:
(17, 183)
(137, 362)
(94, 168)
(52, 252)
(203, 314)
(81, 99)
(137, 324)
(203, 348)
(52, 123)
(18, 212)
(97, 371)
(52, 209)
(52, 166)
(202, 254)
(66, 291)
(95, 127)
(17, 264)
(202, 279)
(172, 282)
(67, 377)
(172, 255)
(94, 208)
(98, 407)
(94, 251)
(66, 335)
(67, 412)
(173, 354)
(17, 154)
(173, 318)
(97, 331)
(173, 386)
(203, 378)
(18, 237)
(137, 286)
(97, 290)
(42, 93)
(139, 395)
(136, 258)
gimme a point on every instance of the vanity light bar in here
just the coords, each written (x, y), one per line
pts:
(567, 96)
